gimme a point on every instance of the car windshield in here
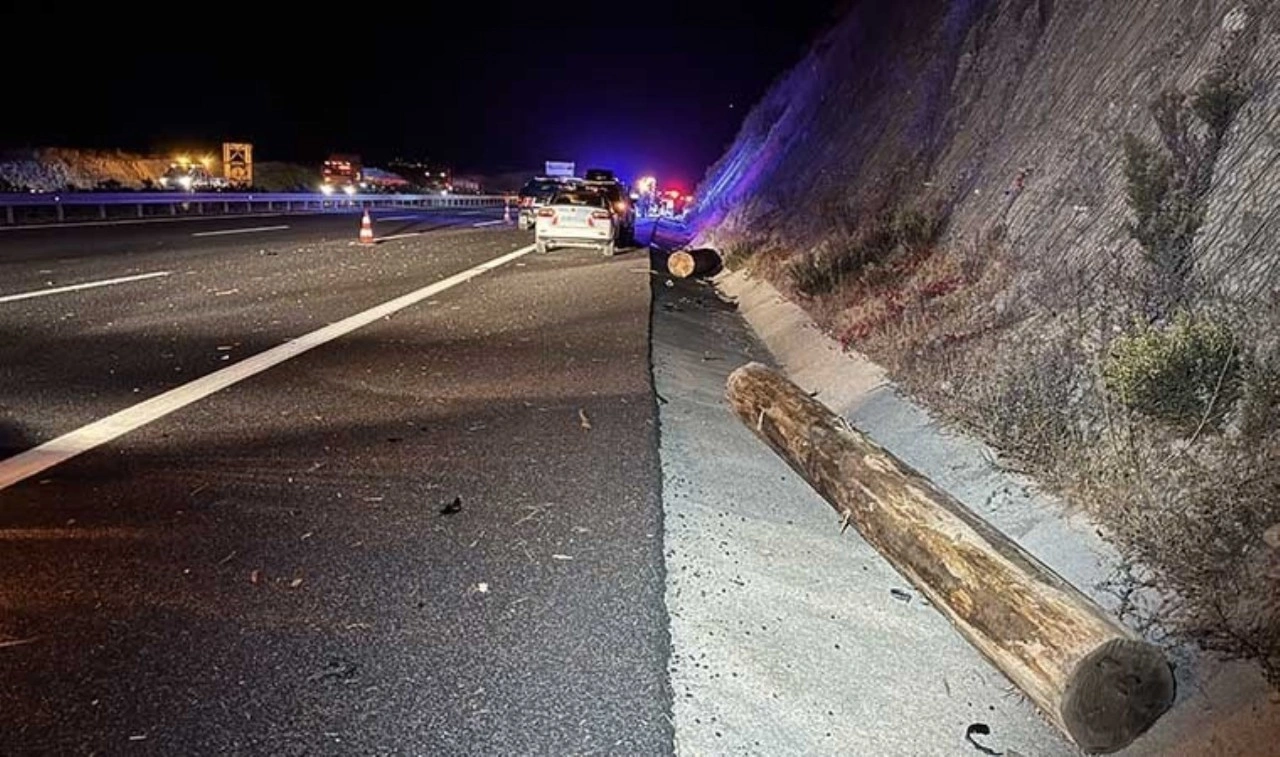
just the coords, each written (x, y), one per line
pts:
(588, 199)
(611, 190)
(539, 188)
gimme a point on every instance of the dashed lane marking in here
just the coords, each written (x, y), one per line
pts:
(82, 286)
(51, 453)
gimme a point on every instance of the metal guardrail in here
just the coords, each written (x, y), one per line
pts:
(27, 208)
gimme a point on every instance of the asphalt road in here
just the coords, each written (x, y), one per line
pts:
(267, 570)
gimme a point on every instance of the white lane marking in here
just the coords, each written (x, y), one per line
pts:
(251, 230)
(405, 235)
(78, 287)
(37, 459)
(487, 223)
(142, 221)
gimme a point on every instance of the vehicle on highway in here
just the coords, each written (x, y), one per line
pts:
(188, 175)
(579, 217)
(620, 204)
(536, 193)
(341, 173)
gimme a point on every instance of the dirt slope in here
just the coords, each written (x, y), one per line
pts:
(1011, 112)
(1055, 221)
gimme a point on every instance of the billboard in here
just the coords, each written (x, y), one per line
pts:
(559, 168)
(237, 162)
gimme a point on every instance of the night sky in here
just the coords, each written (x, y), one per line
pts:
(484, 87)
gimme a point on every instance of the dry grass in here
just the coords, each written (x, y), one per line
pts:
(1020, 362)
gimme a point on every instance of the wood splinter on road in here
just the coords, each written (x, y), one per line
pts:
(1095, 679)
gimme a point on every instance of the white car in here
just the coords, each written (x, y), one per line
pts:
(576, 218)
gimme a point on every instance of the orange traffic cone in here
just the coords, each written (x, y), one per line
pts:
(506, 211)
(366, 229)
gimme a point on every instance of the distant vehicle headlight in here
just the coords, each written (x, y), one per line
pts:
(185, 181)
(349, 189)
(326, 189)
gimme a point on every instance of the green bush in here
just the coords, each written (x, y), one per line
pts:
(1168, 188)
(1217, 101)
(1182, 373)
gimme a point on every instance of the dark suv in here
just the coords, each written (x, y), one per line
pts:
(533, 195)
(624, 210)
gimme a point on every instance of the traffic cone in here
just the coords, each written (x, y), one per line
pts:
(366, 229)
(506, 211)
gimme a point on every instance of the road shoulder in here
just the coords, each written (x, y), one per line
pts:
(791, 639)
(788, 638)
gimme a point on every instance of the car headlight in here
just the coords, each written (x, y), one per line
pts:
(349, 189)
(326, 189)
(185, 181)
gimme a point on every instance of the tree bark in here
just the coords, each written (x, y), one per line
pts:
(1095, 680)
(685, 263)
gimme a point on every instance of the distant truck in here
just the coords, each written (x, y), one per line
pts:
(341, 173)
(186, 175)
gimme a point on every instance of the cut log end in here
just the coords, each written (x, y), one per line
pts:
(680, 264)
(1117, 692)
(700, 262)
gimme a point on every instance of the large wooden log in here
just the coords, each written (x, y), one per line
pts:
(1095, 680)
(701, 262)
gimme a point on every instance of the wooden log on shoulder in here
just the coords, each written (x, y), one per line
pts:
(700, 262)
(1094, 679)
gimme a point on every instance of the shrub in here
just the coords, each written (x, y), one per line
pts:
(1217, 101)
(739, 252)
(1184, 374)
(1168, 193)
(1260, 398)
(812, 274)
(869, 255)
(915, 230)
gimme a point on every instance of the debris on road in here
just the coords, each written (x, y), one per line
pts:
(533, 511)
(561, 557)
(255, 577)
(900, 595)
(982, 729)
(453, 507)
(228, 558)
(482, 587)
(295, 583)
(583, 420)
(17, 642)
(336, 669)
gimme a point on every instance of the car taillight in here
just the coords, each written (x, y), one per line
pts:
(621, 206)
(600, 214)
(546, 212)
